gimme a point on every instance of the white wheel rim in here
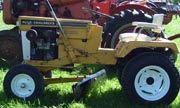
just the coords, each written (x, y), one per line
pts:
(22, 85)
(152, 83)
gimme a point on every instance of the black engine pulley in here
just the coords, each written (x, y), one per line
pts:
(31, 35)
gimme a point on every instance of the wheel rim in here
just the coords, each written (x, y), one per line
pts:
(152, 83)
(23, 85)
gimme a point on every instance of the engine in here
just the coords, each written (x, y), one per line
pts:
(43, 43)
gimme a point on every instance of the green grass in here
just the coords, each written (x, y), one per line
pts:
(106, 93)
(3, 26)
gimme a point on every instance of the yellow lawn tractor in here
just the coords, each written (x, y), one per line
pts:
(146, 71)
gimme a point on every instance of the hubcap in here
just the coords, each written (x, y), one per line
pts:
(22, 85)
(152, 83)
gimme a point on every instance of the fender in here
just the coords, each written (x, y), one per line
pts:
(124, 48)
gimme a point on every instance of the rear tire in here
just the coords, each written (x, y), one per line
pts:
(122, 24)
(10, 47)
(150, 78)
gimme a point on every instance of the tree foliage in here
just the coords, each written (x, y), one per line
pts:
(175, 1)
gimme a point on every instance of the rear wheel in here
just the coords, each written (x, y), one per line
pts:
(24, 82)
(155, 81)
(10, 47)
(122, 24)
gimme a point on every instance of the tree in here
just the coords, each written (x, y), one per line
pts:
(175, 1)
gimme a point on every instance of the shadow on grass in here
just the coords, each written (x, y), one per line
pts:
(52, 98)
(2, 96)
(108, 99)
(4, 67)
(113, 99)
(110, 70)
(49, 99)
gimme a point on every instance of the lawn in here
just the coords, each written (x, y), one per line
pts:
(106, 93)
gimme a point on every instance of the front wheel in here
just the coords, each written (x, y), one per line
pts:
(24, 82)
(150, 78)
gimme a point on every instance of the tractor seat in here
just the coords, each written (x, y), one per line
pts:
(156, 26)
